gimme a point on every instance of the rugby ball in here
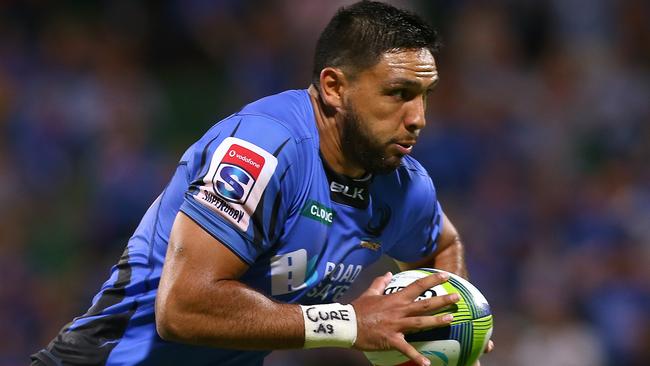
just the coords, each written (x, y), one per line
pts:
(459, 344)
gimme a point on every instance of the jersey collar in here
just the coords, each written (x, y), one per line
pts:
(346, 190)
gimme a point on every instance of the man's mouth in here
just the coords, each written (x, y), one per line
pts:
(405, 147)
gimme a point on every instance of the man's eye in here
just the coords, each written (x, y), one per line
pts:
(402, 94)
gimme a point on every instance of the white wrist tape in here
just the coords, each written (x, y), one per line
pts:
(329, 325)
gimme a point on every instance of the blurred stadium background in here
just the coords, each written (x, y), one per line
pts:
(538, 142)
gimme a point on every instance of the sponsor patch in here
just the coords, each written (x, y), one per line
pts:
(292, 272)
(238, 174)
(370, 245)
(318, 211)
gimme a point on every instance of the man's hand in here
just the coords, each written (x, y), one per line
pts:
(382, 320)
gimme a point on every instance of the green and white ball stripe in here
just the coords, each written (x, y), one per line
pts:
(459, 344)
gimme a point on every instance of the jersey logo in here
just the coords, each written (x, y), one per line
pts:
(374, 246)
(355, 193)
(237, 173)
(337, 279)
(348, 191)
(318, 211)
(379, 220)
(292, 272)
(236, 179)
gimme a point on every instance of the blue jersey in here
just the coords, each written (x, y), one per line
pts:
(256, 182)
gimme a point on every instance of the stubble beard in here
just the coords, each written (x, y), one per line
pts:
(361, 147)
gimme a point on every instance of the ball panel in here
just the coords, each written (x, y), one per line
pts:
(482, 334)
(462, 332)
(433, 334)
(478, 305)
(440, 353)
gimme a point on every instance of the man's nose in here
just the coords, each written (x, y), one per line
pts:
(414, 119)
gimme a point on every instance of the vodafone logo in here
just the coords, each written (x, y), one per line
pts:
(233, 154)
(244, 158)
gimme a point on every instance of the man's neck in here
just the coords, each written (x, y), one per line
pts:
(329, 132)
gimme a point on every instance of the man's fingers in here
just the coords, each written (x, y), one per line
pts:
(410, 352)
(378, 285)
(431, 305)
(418, 323)
(489, 347)
(416, 288)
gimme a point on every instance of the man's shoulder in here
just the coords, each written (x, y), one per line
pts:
(411, 174)
(290, 109)
(408, 192)
(413, 167)
(268, 122)
(410, 181)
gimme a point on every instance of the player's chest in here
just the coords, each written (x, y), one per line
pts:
(328, 242)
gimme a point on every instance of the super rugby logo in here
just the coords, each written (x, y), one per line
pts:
(237, 173)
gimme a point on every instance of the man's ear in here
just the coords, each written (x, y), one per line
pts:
(333, 84)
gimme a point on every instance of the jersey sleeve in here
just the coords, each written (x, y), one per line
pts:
(424, 213)
(240, 179)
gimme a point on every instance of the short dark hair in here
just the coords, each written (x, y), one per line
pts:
(359, 34)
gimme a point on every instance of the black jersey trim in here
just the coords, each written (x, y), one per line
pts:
(277, 151)
(258, 215)
(258, 223)
(152, 240)
(232, 134)
(117, 292)
(204, 153)
(91, 343)
(348, 191)
(274, 215)
(276, 207)
(46, 358)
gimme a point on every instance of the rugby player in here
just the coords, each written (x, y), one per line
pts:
(274, 212)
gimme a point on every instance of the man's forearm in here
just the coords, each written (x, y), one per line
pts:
(199, 300)
(451, 258)
(450, 254)
(229, 315)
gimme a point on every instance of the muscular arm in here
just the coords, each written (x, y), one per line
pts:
(449, 255)
(200, 301)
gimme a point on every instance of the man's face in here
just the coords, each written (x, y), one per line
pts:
(384, 109)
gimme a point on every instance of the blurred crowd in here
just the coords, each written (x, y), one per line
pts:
(538, 141)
